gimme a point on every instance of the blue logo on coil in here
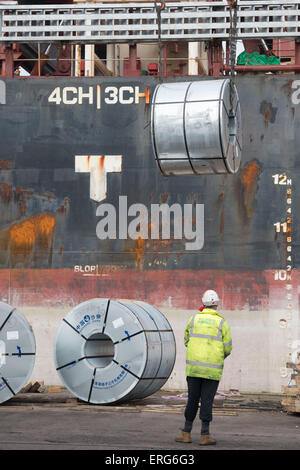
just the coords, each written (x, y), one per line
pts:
(87, 320)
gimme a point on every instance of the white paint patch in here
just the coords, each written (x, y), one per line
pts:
(118, 322)
(98, 166)
(12, 335)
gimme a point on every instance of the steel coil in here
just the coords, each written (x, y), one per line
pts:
(17, 351)
(196, 127)
(109, 351)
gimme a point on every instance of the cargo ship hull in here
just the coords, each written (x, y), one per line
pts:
(81, 217)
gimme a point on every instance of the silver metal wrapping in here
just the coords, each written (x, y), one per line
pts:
(195, 129)
(109, 351)
(17, 351)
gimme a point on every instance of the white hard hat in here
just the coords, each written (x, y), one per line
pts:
(210, 298)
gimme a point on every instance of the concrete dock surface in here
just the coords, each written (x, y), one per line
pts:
(59, 421)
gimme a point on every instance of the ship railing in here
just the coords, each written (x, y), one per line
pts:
(138, 22)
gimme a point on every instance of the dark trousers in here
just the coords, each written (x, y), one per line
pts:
(204, 390)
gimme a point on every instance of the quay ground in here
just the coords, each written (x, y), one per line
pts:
(59, 421)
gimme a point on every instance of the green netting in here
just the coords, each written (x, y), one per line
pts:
(256, 59)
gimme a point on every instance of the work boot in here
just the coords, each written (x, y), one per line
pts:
(184, 437)
(206, 440)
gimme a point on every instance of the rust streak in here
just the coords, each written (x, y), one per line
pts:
(269, 112)
(140, 244)
(6, 191)
(250, 177)
(267, 116)
(101, 162)
(6, 164)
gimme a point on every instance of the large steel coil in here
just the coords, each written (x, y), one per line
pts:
(17, 351)
(109, 351)
(196, 127)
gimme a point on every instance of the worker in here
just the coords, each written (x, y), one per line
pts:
(208, 341)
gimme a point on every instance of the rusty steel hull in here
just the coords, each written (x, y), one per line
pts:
(49, 248)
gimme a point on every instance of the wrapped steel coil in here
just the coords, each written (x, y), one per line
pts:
(196, 127)
(109, 351)
(17, 351)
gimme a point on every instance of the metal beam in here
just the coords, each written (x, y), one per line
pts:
(137, 22)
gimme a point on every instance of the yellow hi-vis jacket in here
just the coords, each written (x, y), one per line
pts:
(208, 340)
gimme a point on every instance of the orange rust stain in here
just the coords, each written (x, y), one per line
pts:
(250, 174)
(140, 245)
(25, 234)
(250, 177)
(101, 160)
(64, 207)
(6, 191)
(267, 116)
(101, 170)
(163, 245)
(6, 164)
